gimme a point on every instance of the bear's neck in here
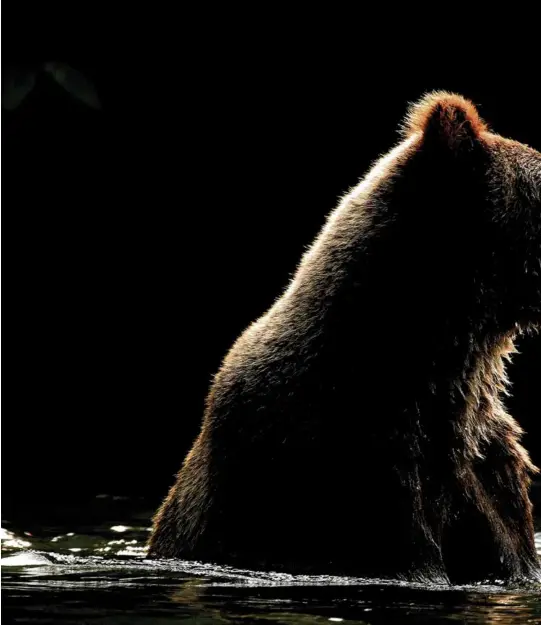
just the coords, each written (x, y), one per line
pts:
(471, 373)
(460, 394)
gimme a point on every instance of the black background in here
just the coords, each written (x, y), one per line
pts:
(142, 239)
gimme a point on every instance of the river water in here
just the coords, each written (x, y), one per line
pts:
(86, 565)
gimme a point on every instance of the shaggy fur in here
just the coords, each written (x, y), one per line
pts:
(358, 426)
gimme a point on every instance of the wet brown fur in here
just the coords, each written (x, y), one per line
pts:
(358, 425)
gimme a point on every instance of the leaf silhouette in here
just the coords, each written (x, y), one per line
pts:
(74, 82)
(17, 83)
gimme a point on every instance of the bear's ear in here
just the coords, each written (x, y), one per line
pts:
(445, 118)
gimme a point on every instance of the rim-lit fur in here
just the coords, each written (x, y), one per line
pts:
(358, 426)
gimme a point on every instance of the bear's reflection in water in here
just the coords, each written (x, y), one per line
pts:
(363, 602)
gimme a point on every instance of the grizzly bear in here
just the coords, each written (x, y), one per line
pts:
(358, 427)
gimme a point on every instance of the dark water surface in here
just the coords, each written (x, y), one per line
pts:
(93, 571)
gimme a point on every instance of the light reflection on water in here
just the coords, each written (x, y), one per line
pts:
(98, 573)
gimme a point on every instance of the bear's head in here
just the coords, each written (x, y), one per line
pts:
(481, 206)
